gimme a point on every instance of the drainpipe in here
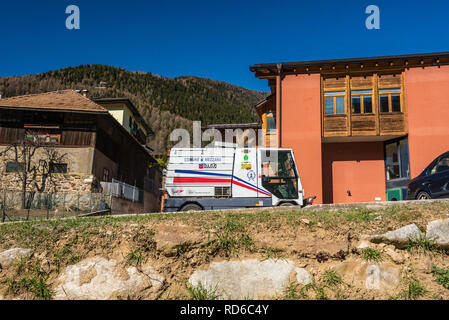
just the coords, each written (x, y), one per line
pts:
(278, 105)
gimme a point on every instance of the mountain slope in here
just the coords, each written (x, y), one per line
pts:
(165, 103)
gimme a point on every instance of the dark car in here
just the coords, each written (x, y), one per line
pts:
(433, 182)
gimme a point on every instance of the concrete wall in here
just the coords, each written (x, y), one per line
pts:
(117, 112)
(301, 128)
(427, 99)
(152, 202)
(355, 166)
(123, 206)
(121, 113)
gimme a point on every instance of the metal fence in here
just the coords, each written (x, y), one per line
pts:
(123, 190)
(46, 205)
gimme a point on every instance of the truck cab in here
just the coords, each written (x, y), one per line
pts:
(280, 176)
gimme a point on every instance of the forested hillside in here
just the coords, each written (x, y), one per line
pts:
(165, 103)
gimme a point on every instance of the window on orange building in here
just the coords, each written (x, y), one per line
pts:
(334, 102)
(390, 100)
(362, 101)
(271, 122)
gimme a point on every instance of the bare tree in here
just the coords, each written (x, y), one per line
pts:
(35, 160)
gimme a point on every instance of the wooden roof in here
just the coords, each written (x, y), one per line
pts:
(368, 64)
(62, 100)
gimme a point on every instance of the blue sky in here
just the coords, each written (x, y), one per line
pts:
(214, 39)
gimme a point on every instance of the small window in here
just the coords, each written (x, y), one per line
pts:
(368, 104)
(58, 167)
(271, 122)
(334, 102)
(340, 105)
(396, 103)
(130, 122)
(105, 174)
(390, 100)
(362, 101)
(384, 103)
(329, 105)
(15, 167)
(356, 106)
(43, 135)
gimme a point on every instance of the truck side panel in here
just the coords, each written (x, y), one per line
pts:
(244, 182)
(199, 172)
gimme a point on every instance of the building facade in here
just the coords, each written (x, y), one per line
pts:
(97, 149)
(241, 134)
(360, 128)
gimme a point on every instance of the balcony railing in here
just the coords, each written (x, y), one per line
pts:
(122, 190)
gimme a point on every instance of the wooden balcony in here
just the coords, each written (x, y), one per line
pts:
(383, 124)
(379, 92)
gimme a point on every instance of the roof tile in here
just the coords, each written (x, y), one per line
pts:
(69, 100)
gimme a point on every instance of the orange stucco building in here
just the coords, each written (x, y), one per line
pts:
(360, 128)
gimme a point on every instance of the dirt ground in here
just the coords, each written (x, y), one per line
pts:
(175, 245)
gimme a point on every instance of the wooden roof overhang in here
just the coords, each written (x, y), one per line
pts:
(353, 65)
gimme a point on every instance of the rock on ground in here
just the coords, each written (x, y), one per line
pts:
(397, 257)
(10, 256)
(168, 237)
(249, 278)
(399, 236)
(438, 231)
(370, 275)
(101, 279)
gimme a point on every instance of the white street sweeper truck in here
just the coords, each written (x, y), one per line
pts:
(230, 177)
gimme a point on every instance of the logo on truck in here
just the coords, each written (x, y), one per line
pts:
(246, 166)
(251, 175)
(207, 166)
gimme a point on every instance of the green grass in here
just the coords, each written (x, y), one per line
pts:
(415, 289)
(359, 215)
(402, 213)
(30, 278)
(370, 254)
(135, 257)
(441, 275)
(181, 249)
(331, 279)
(36, 285)
(320, 294)
(230, 236)
(292, 292)
(421, 244)
(272, 253)
(201, 293)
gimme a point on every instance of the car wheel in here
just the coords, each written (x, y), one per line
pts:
(423, 196)
(191, 207)
(286, 204)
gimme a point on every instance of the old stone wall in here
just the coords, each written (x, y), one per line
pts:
(78, 179)
(62, 183)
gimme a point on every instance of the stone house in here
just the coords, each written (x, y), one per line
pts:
(95, 150)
